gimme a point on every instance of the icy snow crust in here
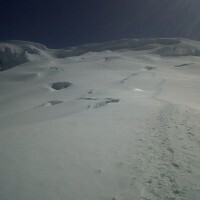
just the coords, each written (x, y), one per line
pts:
(112, 121)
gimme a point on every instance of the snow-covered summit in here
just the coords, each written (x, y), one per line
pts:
(112, 121)
(13, 53)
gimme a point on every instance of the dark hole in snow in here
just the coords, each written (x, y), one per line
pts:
(60, 85)
(149, 67)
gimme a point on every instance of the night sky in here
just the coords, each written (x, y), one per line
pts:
(63, 23)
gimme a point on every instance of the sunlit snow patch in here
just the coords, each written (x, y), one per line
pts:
(51, 103)
(138, 90)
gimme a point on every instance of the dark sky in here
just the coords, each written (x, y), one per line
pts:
(62, 23)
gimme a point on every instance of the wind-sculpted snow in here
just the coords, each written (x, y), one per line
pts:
(112, 121)
(13, 53)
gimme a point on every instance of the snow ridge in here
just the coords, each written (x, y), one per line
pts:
(13, 53)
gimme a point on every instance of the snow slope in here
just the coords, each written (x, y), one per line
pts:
(112, 121)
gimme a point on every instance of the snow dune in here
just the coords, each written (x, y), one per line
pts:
(113, 121)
